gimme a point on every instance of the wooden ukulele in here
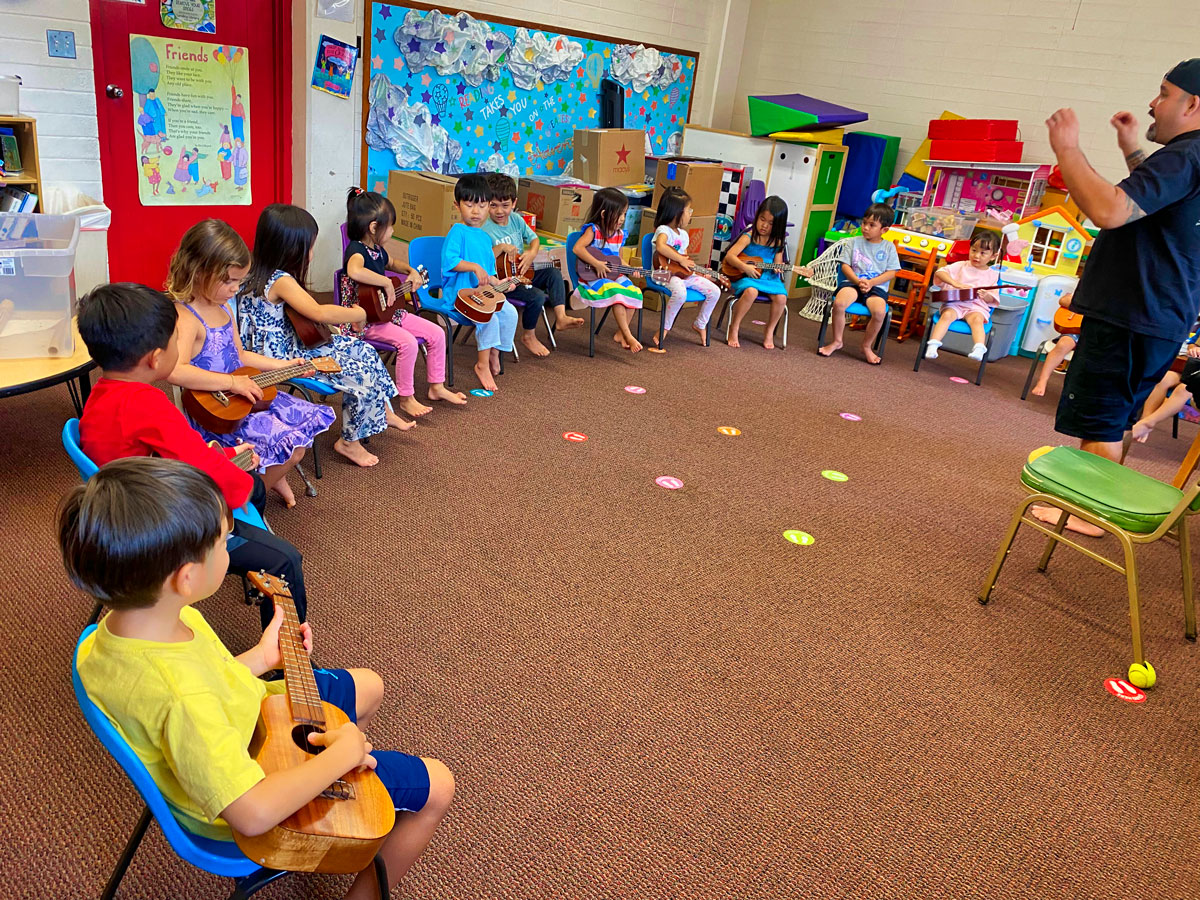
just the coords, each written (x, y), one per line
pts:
(341, 830)
(374, 300)
(679, 270)
(780, 269)
(221, 412)
(479, 304)
(506, 266)
(243, 460)
(1067, 322)
(587, 272)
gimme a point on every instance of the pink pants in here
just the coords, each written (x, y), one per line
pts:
(679, 286)
(403, 339)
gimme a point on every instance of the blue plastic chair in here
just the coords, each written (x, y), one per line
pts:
(573, 275)
(384, 350)
(958, 326)
(858, 308)
(694, 297)
(215, 857)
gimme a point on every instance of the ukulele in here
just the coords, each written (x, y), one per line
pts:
(678, 269)
(221, 412)
(1067, 322)
(780, 269)
(479, 304)
(244, 460)
(506, 266)
(374, 300)
(342, 829)
(587, 272)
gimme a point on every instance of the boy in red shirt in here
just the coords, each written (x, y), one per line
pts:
(129, 330)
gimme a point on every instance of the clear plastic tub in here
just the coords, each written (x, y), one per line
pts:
(941, 221)
(37, 291)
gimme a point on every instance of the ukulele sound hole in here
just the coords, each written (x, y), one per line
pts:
(300, 738)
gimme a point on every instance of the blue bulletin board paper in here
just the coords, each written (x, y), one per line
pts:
(452, 92)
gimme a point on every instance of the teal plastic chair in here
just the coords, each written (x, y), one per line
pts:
(958, 326)
(573, 274)
(427, 251)
(694, 297)
(216, 857)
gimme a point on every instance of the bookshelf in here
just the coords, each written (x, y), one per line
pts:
(30, 179)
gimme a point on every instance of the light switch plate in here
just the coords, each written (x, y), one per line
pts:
(61, 44)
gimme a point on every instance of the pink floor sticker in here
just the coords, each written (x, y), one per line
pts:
(958, 380)
(757, 322)
(850, 417)
(670, 482)
(574, 436)
(1119, 687)
(634, 389)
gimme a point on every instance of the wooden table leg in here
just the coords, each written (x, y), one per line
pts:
(1189, 463)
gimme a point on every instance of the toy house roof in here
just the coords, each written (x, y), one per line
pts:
(1052, 210)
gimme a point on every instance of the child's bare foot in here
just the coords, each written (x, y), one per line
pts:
(830, 349)
(486, 380)
(872, 357)
(566, 323)
(494, 361)
(633, 345)
(355, 452)
(620, 339)
(700, 331)
(441, 392)
(394, 421)
(1051, 515)
(536, 347)
(414, 407)
(733, 340)
(1039, 389)
(284, 490)
(768, 343)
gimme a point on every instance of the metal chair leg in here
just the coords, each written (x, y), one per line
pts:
(592, 333)
(1037, 356)
(639, 334)
(783, 321)
(449, 352)
(316, 453)
(309, 489)
(1185, 560)
(1135, 622)
(549, 328)
(825, 323)
(985, 592)
(881, 338)
(139, 831)
(983, 362)
(922, 347)
(381, 877)
(1051, 543)
(249, 885)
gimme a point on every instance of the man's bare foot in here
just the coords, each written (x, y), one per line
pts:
(414, 407)
(494, 363)
(1050, 515)
(1039, 389)
(872, 357)
(284, 490)
(566, 323)
(441, 392)
(394, 421)
(620, 339)
(830, 349)
(486, 380)
(355, 452)
(536, 347)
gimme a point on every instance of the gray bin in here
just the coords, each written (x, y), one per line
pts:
(1006, 325)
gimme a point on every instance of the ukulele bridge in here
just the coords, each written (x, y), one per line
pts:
(221, 397)
(339, 790)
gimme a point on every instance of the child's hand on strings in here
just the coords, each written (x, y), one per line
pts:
(389, 293)
(255, 460)
(243, 386)
(754, 271)
(1193, 351)
(688, 263)
(601, 268)
(349, 739)
(526, 262)
(268, 645)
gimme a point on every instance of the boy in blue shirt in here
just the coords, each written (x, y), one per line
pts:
(511, 234)
(468, 262)
(865, 277)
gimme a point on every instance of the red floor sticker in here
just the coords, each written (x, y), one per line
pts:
(1119, 687)
(574, 436)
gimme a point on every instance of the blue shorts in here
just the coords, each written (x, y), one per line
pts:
(878, 291)
(404, 776)
(1111, 375)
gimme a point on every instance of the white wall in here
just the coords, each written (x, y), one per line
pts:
(326, 156)
(59, 93)
(905, 62)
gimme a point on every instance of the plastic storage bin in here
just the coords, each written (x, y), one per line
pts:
(10, 95)
(1006, 328)
(37, 292)
(941, 221)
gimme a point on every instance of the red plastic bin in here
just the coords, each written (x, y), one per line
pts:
(977, 151)
(973, 129)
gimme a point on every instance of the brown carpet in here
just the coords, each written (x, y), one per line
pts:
(650, 693)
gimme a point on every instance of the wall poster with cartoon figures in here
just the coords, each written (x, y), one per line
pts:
(191, 122)
(450, 92)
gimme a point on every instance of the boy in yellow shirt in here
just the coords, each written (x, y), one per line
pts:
(146, 536)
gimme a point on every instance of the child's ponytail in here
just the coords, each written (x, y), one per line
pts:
(366, 208)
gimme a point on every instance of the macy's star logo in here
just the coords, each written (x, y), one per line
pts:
(623, 155)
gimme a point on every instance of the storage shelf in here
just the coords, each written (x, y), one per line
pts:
(25, 129)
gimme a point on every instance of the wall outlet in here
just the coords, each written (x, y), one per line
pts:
(61, 43)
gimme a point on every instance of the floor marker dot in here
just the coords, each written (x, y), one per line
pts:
(634, 389)
(834, 475)
(729, 430)
(574, 436)
(670, 482)
(481, 392)
(757, 322)
(850, 417)
(803, 538)
(958, 380)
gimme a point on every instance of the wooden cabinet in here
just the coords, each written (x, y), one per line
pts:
(30, 179)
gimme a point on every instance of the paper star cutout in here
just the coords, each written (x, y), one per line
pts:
(471, 163)
(434, 119)
(439, 47)
(462, 88)
(385, 12)
(558, 89)
(391, 112)
(458, 127)
(504, 82)
(425, 79)
(434, 164)
(379, 186)
(478, 131)
(539, 85)
(463, 23)
(528, 147)
(419, 120)
(658, 140)
(376, 63)
(606, 52)
(468, 115)
(426, 96)
(414, 45)
(511, 157)
(528, 131)
(488, 43)
(538, 124)
(641, 110)
(498, 146)
(379, 34)
(591, 114)
(512, 96)
(588, 46)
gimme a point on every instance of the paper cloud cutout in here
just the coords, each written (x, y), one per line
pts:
(407, 130)
(452, 45)
(641, 67)
(537, 56)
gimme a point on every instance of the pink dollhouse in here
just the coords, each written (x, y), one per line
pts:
(974, 186)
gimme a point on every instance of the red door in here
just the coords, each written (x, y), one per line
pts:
(142, 238)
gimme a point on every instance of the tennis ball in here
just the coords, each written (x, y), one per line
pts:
(1142, 675)
(1040, 451)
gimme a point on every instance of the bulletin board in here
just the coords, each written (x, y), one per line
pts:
(451, 92)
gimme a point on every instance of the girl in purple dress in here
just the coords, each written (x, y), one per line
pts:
(206, 272)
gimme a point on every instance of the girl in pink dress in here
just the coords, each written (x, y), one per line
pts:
(974, 272)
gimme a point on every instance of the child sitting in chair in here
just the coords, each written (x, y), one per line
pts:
(974, 272)
(1063, 345)
(147, 537)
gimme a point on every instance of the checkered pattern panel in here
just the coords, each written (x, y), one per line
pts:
(727, 207)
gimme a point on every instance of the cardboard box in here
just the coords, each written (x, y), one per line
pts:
(701, 230)
(424, 203)
(702, 180)
(608, 157)
(559, 209)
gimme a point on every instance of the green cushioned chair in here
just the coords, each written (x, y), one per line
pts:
(1134, 508)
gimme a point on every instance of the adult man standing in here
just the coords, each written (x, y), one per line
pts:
(1140, 291)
